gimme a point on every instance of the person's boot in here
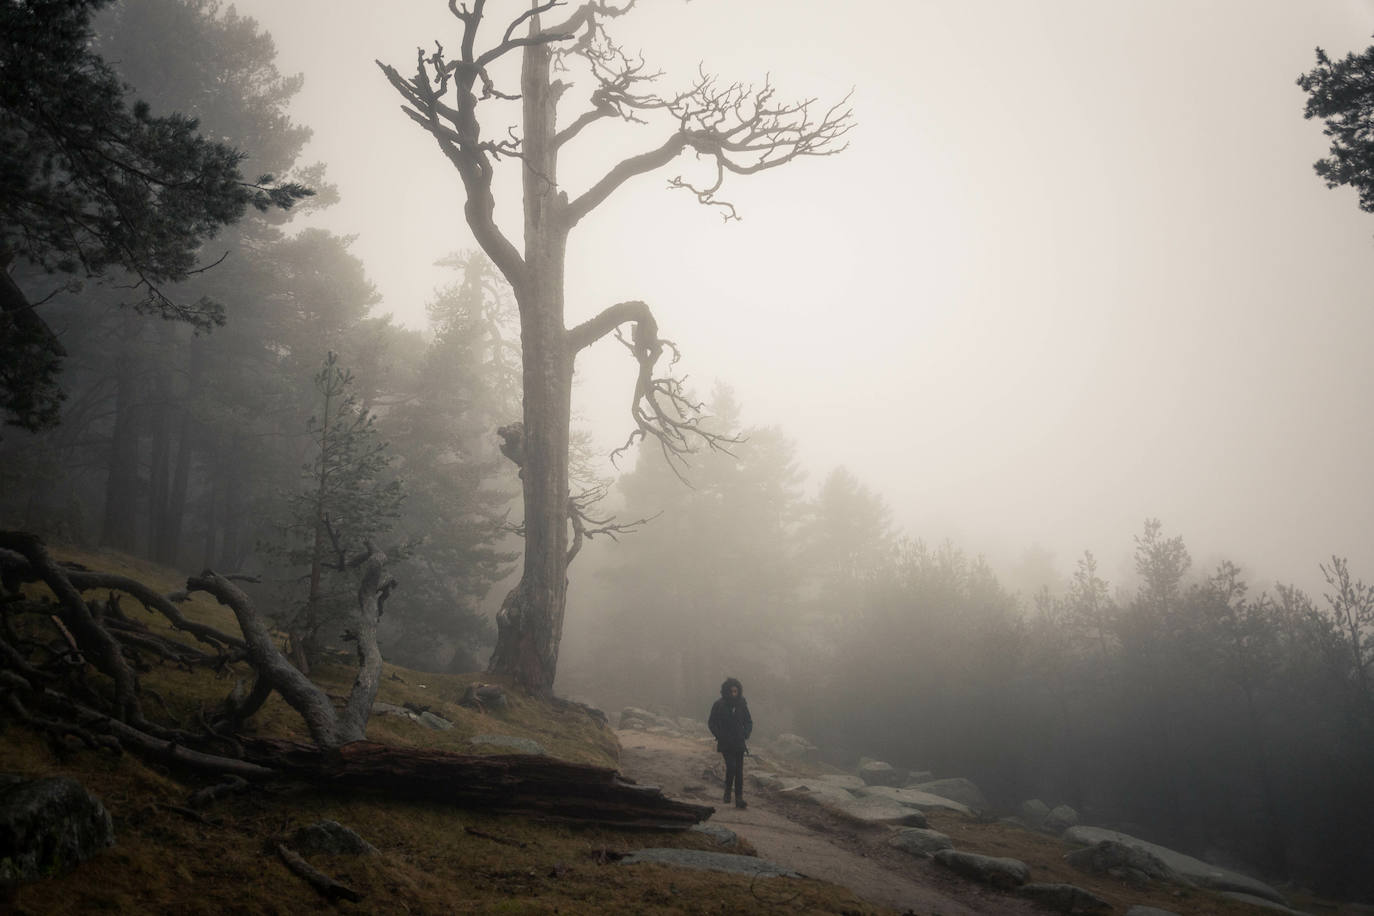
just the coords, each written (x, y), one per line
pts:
(726, 799)
(739, 802)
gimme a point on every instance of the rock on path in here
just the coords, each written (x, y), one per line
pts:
(710, 861)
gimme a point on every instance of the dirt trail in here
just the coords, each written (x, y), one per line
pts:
(806, 838)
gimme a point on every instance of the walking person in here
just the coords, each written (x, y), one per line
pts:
(731, 724)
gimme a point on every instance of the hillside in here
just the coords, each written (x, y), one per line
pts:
(431, 857)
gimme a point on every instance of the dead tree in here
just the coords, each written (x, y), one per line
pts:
(736, 128)
(45, 685)
(107, 644)
(329, 728)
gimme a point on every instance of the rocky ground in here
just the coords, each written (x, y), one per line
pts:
(838, 830)
(806, 838)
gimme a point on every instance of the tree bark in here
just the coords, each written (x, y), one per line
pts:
(530, 622)
(506, 783)
(160, 458)
(169, 551)
(118, 527)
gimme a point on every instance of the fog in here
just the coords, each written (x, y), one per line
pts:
(1071, 286)
(1074, 269)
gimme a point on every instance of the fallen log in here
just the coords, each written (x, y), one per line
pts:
(504, 783)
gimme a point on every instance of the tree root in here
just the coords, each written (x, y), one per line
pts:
(330, 889)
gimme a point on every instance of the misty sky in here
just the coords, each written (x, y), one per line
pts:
(1074, 270)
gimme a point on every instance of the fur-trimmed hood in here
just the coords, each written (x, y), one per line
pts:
(731, 682)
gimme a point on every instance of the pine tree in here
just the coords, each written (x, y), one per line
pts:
(349, 498)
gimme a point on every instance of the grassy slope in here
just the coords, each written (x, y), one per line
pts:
(433, 858)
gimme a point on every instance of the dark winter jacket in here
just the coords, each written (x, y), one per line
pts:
(730, 721)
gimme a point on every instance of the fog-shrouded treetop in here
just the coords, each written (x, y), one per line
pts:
(91, 180)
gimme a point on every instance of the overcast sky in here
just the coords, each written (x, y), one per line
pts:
(1074, 270)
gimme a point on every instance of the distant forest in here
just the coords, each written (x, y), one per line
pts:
(1191, 708)
(1222, 717)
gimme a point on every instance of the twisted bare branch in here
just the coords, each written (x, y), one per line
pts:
(660, 407)
(586, 526)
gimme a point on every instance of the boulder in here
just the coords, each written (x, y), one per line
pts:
(510, 742)
(1132, 864)
(913, 798)
(584, 703)
(792, 747)
(765, 780)
(843, 780)
(634, 717)
(692, 727)
(920, 841)
(484, 697)
(438, 723)
(722, 835)
(47, 827)
(665, 731)
(818, 791)
(1260, 902)
(957, 789)
(1061, 818)
(330, 838)
(1195, 870)
(1065, 898)
(709, 861)
(1034, 812)
(878, 811)
(423, 716)
(879, 773)
(994, 870)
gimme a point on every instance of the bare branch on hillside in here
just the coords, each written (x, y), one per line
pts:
(330, 889)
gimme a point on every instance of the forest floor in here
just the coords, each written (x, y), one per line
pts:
(822, 844)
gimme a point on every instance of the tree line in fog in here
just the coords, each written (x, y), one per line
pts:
(302, 426)
(1190, 705)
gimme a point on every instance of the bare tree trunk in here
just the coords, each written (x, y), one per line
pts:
(169, 551)
(213, 486)
(530, 623)
(174, 515)
(160, 462)
(231, 527)
(118, 527)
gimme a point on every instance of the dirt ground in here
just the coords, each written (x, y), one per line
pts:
(807, 839)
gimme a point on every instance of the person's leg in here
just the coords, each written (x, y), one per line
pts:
(731, 774)
(739, 778)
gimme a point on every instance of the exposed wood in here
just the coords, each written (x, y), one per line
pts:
(327, 886)
(19, 569)
(506, 783)
(95, 641)
(203, 797)
(298, 691)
